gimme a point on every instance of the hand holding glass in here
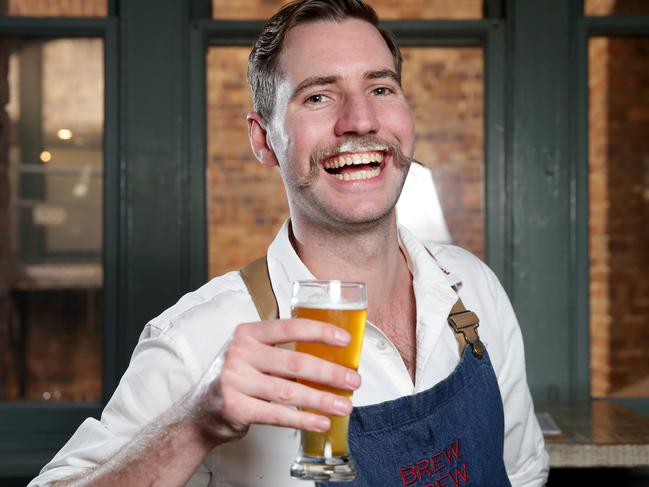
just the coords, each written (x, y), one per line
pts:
(325, 456)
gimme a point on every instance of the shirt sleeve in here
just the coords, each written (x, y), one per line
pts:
(160, 373)
(525, 457)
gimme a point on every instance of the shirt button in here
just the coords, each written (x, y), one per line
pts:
(381, 344)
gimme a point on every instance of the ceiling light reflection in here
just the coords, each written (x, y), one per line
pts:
(46, 156)
(64, 134)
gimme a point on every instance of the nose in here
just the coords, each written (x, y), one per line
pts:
(357, 116)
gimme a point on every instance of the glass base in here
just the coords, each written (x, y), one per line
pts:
(334, 469)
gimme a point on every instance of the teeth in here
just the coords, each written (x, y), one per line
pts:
(353, 159)
(358, 175)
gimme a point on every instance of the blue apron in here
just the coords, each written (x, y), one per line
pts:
(449, 435)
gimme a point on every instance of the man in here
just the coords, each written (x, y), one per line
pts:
(210, 399)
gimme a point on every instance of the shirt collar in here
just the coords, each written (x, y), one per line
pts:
(285, 266)
(418, 254)
(435, 291)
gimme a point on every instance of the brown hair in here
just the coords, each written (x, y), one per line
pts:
(263, 70)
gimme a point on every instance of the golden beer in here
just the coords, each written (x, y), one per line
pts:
(332, 442)
(325, 456)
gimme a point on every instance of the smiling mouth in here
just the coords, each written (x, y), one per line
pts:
(355, 166)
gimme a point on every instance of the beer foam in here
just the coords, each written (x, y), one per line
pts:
(330, 305)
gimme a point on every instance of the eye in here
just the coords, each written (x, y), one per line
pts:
(382, 91)
(317, 98)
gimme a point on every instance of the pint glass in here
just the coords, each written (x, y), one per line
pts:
(325, 456)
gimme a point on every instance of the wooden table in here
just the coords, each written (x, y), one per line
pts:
(599, 433)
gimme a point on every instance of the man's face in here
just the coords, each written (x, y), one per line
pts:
(342, 131)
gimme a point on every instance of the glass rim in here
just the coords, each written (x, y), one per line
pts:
(322, 282)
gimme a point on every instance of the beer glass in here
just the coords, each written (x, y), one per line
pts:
(325, 456)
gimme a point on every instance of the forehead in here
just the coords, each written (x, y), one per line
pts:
(326, 48)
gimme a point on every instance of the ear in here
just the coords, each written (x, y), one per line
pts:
(258, 135)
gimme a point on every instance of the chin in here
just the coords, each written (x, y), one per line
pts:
(370, 219)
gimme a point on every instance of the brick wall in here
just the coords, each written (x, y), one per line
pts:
(246, 200)
(445, 88)
(600, 318)
(63, 347)
(615, 7)
(599, 7)
(628, 212)
(58, 8)
(619, 210)
(387, 9)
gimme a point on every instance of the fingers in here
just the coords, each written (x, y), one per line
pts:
(293, 330)
(291, 393)
(297, 365)
(253, 381)
(279, 415)
(250, 348)
(252, 410)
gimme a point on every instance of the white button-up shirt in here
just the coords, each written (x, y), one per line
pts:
(179, 345)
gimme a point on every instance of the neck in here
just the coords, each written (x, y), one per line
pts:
(371, 255)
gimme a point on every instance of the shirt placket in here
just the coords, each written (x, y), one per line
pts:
(388, 356)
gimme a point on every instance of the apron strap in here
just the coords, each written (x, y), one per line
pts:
(465, 325)
(257, 279)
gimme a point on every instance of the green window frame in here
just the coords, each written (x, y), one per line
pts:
(612, 26)
(31, 432)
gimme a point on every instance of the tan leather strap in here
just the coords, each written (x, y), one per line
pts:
(256, 278)
(465, 325)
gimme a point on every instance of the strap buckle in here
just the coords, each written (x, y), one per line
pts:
(467, 322)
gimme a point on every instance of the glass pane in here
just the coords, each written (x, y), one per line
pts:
(387, 9)
(616, 7)
(619, 212)
(247, 202)
(51, 244)
(56, 8)
(445, 88)
(428, 9)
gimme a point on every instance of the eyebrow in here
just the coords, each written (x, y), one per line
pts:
(311, 82)
(328, 80)
(383, 73)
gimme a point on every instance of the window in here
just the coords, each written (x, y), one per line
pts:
(619, 210)
(53, 217)
(246, 202)
(57, 359)
(57, 8)
(387, 9)
(445, 87)
(615, 7)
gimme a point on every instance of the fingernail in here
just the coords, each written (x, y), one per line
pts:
(322, 424)
(342, 336)
(342, 406)
(353, 379)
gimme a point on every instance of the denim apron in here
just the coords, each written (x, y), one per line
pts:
(449, 435)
